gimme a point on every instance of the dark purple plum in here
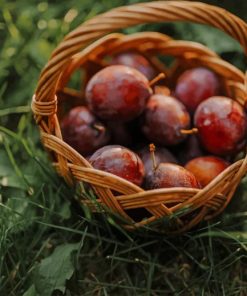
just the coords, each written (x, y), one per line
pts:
(196, 85)
(120, 161)
(163, 119)
(83, 131)
(161, 155)
(118, 93)
(206, 168)
(136, 61)
(222, 125)
(168, 175)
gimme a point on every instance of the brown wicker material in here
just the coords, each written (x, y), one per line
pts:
(90, 43)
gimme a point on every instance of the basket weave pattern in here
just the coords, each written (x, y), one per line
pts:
(92, 41)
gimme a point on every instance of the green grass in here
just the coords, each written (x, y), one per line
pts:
(48, 244)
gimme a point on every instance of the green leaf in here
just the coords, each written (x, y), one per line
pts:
(5, 165)
(13, 181)
(53, 271)
(18, 213)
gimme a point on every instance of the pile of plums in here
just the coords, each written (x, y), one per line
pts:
(152, 135)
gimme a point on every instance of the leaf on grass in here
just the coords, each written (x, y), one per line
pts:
(53, 271)
(17, 214)
(13, 181)
(16, 181)
(5, 165)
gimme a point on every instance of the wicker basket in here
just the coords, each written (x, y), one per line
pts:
(91, 42)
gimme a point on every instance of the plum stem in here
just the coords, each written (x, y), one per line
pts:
(99, 127)
(152, 150)
(192, 131)
(157, 78)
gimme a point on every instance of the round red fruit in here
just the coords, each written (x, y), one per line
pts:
(119, 161)
(161, 155)
(196, 85)
(164, 118)
(118, 93)
(206, 168)
(168, 175)
(83, 131)
(137, 61)
(221, 124)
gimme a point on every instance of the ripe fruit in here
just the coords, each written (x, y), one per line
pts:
(83, 131)
(135, 60)
(118, 93)
(206, 168)
(119, 161)
(189, 149)
(195, 86)
(221, 124)
(168, 175)
(161, 155)
(164, 117)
